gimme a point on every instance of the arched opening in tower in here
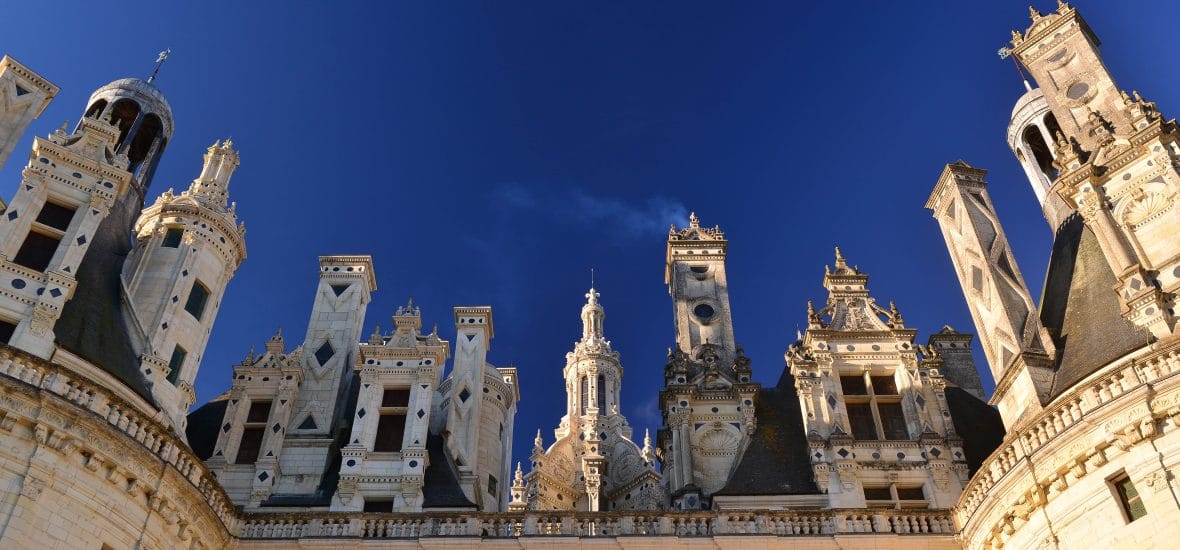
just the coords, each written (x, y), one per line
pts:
(124, 113)
(1040, 152)
(96, 109)
(144, 141)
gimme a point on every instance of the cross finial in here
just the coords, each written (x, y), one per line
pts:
(160, 59)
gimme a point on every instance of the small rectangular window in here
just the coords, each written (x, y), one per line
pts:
(251, 444)
(493, 485)
(911, 493)
(6, 330)
(877, 493)
(37, 251)
(1129, 498)
(884, 385)
(172, 237)
(197, 298)
(176, 363)
(390, 429)
(55, 216)
(395, 397)
(385, 506)
(853, 385)
(860, 419)
(259, 412)
(893, 421)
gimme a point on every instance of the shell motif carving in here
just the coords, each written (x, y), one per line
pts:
(1145, 207)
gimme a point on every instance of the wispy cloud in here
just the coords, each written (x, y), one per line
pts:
(625, 219)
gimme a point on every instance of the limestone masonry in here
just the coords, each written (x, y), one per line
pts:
(403, 437)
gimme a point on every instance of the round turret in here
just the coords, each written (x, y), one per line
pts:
(1031, 133)
(144, 119)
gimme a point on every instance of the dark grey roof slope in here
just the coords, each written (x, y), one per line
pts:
(203, 426)
(776, 461)
(91, 323)
(1080, 308)
(441, 487)
(978, 423)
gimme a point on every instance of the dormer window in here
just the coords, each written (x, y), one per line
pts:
(44, 236)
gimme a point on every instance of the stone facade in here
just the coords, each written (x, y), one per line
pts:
(593, 465)
(867, 440)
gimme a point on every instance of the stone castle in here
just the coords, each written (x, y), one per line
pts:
(403, 439)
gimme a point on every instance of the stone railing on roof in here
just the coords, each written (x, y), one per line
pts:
(592, 524)
(1093, 401)
(153, 435)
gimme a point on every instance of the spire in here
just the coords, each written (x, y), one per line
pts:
(160, 59)
(538, 443)
(518, 477)
(276, 345)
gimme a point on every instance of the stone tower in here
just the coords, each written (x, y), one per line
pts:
(24, 95)
(707, 400)
(188, 246)
(593, 465)
(1016, 346)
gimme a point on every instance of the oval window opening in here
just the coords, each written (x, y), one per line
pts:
(703, 311)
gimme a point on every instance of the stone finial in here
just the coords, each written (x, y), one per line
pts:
(1034, 14)
(693, 220)
(538, 442)
(276, 345)
(895, 319)
(518, 477)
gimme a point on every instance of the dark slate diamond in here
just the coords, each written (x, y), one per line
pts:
(184, 273)
(270, 453)
(164, 326)
(21, 91)
(28, 188)
(921, 402)
(698, 425)
(424, 386)
(819, 455)
(263, 476)
(55, 292)
(175, 299)
(843, 452)
(958, 454)
(82, 240)
(470, 337)
(12, 215)
(66, 269)
(360, 413)
(308, 423)
(937, 453)
(339, 289)
(94, 212)
(282, 401)
(421, 413)
(463, 395)
(417, 442)
(276, 428)
(225, 428)
(831, 401)
(366, 386)
(324, 353)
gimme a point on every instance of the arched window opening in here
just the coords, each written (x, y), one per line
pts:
(144, 140)
(1040, 152)
(1052, 126)
(601, 403)
(585, 393)
(123, 113)
(96, 110)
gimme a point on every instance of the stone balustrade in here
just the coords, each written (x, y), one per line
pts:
(1087, 401)
(592, 524)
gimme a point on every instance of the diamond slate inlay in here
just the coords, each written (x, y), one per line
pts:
(55, 292)
(463, 395)
(225, 428)
(325, 353)
(843, 452)
(421, 413)
(360, 413)
(263, 476)
(276, 428)
(12, 215)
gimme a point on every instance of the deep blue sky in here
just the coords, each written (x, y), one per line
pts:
(492, 153)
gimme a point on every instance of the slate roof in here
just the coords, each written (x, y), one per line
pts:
(978, 423)
(92, 324)
(441, 486)
(203, 426)
(776, 461)
(1080, 308)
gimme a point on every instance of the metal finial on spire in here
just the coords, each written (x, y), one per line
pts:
(160, 59)
(592, 278)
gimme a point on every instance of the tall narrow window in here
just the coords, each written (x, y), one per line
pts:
(601, 403)
(1129, 499)
(45, 234)
(197, 299)
(585, 392)
(176, 363)
(253, 432)
(493, 485)
(391, 422)
(172, 237)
